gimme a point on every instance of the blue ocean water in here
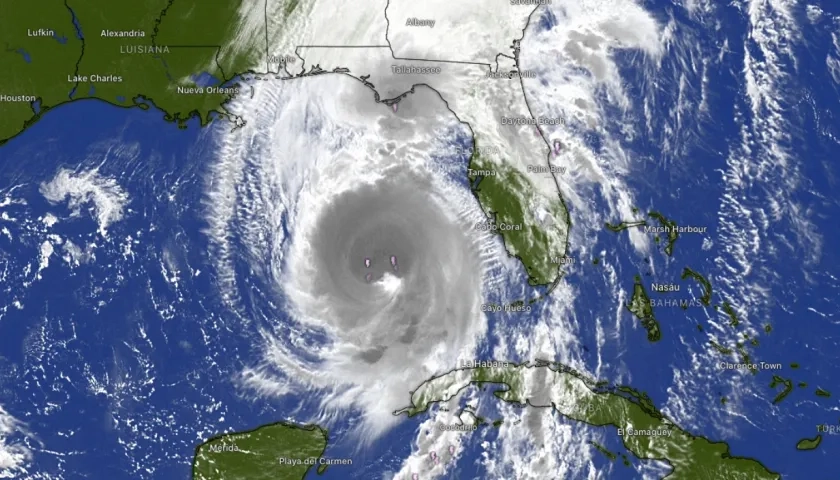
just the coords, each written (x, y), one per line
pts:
(777, 214)
(120, 364)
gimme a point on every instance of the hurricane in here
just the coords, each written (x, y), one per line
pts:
(361, 237)
(554, 239)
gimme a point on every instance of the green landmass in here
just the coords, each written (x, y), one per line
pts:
(740, 346)
(823, 393)
(788, 387)
(45, 76)
(603, 450)
(640, 307)
(706, 298)
(730, 312)
(809, 443)
(498, 423)
(802, 384)
(641, 399)
(504, 197)
(794, 365)
(574, 396)
(172, 43)
(670, 227)
(278, 451)
(720, 348)
(768, 328)
(617, 227)
(290, 7)
(745, 357)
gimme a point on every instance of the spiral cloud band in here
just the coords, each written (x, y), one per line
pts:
(388, 271)
(368, 242)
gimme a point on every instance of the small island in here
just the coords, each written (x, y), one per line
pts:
(706, 298)
(809, 443)
(640, 307)
(731, 313)
(606, 452)
(617, 227)
(669, 227)
(788, 387)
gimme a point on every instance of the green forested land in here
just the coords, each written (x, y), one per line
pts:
(640, 307)
(503, 197)
(50, 60)
(70, 59)
(690, 457)
(706, 298)
(278, 451)
(809, 443)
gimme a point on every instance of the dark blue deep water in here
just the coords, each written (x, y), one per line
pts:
(120, 358)
(788, 285)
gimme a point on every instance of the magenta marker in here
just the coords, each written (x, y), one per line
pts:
(368, 277)
(452, 449)
(557, 147)
(414, 476)
(394, 106)
(367, 262)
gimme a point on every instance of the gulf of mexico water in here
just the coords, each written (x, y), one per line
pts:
(119, 356)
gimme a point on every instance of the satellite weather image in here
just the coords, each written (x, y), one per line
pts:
(419, 239)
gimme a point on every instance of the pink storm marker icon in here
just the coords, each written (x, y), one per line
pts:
(557, 147)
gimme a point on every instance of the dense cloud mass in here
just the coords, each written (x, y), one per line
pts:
(346, 206)
(387, 270)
